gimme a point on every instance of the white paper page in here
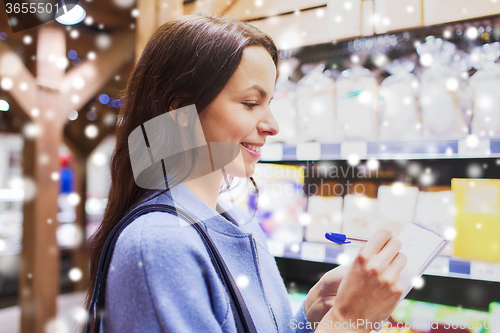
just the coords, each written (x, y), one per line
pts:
(420, 246)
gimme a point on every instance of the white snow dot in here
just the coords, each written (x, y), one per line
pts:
(91, 131)
(6, 83)
(74, 34)
(27, 39)
(73, 199)
(304, 218)
(242, 281)
(31, 130)
(75, 274)
(398, 188)
(418, 282)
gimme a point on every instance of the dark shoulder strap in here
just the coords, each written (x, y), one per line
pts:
(242, 316)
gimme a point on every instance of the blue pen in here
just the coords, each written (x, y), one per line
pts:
(341, 238)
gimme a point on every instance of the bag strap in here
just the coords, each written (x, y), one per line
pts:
(242, 318)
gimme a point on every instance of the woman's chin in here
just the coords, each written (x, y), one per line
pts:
(246, 172)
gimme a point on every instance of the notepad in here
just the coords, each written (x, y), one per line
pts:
(421, 244)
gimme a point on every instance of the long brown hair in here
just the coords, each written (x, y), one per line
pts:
(187, 61)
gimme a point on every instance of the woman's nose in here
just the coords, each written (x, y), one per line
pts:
(268, 123)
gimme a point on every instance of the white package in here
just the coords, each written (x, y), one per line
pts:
(316, 107)
(396, 206)
(283, 104)
(326, 216)
(400, 116)
(437, 209)
(357, 104)
(444, 96)
(485, 85)
(360, 216)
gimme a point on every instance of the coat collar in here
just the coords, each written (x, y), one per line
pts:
(181, 196)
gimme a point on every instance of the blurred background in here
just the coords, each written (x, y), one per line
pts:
(388, 112)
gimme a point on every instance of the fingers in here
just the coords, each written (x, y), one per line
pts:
(388, 252)
(397, 264)
(376, 243)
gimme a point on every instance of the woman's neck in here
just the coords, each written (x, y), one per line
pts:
(207, 187)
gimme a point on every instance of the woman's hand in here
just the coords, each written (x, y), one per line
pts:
(372, 287)
(321, 297)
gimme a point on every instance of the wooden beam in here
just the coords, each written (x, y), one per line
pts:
(152, 14)
(12, 66)
(40, 256)
(79, 255)
(246, 10)
(168, 10)
(145, 24)
(289, 31)
(218, 7)
(95, 73)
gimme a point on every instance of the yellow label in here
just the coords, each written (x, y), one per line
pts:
(477, 219)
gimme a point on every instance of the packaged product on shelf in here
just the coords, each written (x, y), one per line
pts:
(477, 206)
(444, 96)
(357, 104)
(400, 117)
(315, 106)
(396, 206)
(432, 317)
(281, 201)
(437, 209)
(283, 104)
(485, 86)
(367, 188)
(325, 216)
(238, 193)
(495, 317)
(360, 217)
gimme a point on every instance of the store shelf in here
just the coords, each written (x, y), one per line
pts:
(383, 150)
(337, 254)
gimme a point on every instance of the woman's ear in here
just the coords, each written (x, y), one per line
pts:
(174, 106)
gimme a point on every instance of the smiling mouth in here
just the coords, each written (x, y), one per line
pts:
(251, 147)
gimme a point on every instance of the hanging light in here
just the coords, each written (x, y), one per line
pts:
(74, 15)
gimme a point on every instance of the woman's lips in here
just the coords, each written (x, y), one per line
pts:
(250, 151)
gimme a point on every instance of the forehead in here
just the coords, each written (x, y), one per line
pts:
(256, 67)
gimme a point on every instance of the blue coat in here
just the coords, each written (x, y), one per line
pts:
(161, 278)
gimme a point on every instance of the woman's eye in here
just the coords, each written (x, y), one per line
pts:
(250, 105)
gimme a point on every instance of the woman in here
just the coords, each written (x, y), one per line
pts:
(161, 278)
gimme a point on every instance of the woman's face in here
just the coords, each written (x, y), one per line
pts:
(240, 113)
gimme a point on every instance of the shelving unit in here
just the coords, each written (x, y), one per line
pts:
(470, 147)
(449, 280)
(445, 266)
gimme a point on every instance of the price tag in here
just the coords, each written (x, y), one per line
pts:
(485, 271)
(277, 249)
(313, 251)
(348, 149)
(271, 152)
(347, 256)
(308, 151)
(474, 146)
(439, 266)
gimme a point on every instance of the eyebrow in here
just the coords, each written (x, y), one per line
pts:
(259, 89)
